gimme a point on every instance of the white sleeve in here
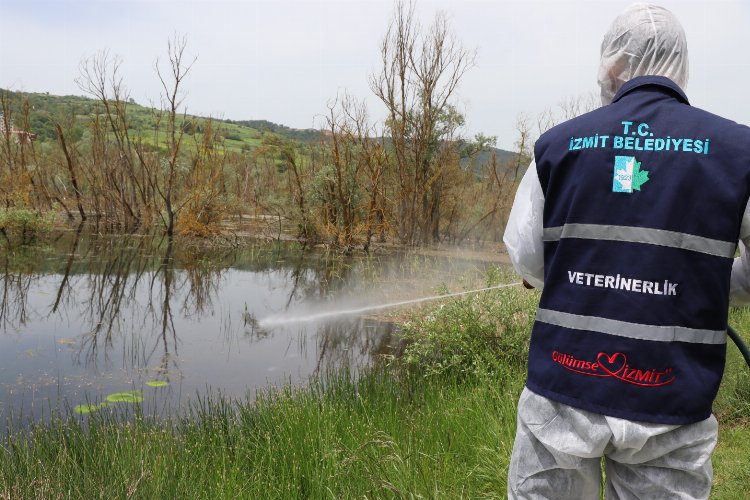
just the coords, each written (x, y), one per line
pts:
(739, 284)
(523, 234)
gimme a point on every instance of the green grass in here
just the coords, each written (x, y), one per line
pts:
(443, 431)
(732, 463)
(376, 438)
(732, 408)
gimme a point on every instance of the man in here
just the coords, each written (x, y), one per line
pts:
(629, 219)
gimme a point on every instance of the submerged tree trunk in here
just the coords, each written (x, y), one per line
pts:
(71, 171)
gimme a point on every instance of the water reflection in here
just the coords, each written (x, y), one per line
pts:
(91, 314)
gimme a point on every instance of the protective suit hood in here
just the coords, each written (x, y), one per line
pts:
(644, 39)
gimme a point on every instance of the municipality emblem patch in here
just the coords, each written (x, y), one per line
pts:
(628, 176)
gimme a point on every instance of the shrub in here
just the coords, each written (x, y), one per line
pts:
(21, 226)
(200, 217)
(475, 335)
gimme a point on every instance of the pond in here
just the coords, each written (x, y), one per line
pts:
(87, 319)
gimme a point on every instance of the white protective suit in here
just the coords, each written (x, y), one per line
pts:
(558, 448)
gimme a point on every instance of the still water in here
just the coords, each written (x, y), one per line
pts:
(88, 315)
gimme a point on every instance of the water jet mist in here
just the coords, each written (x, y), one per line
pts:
(279, 319)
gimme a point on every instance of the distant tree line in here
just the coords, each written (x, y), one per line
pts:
(306, 135)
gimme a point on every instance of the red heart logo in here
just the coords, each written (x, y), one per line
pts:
(611, 364)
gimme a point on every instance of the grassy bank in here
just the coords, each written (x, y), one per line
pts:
(377, 439)
(437, 423)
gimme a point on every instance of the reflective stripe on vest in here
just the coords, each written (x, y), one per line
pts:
(649, 236)
(631, 330)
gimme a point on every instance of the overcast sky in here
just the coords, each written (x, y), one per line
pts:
(283, 60)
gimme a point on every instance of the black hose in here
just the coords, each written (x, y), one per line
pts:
(740, 344)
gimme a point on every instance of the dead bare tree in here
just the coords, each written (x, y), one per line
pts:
(7, 145)
(420, 72)
(122, 185)
(524, 144)
(347, 129)
(71, 170)
(178, 69)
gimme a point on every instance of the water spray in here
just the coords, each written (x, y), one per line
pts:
(277, 320)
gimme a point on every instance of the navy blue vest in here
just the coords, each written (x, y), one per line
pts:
(643, 204)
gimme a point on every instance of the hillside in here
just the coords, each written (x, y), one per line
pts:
(75, 111)
(503, 156)
(239, 135)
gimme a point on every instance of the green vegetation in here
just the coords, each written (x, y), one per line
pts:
(134, 396)
(125, 397)
(21, 226)
(157, 383)
(479, 336)
(378, 437)
(437, 422)
(76, 111)
(88, 408)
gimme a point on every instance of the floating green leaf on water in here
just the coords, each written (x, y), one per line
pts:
(88, 408)
(157, 383)
(125, 397)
